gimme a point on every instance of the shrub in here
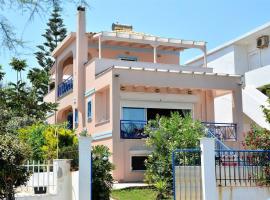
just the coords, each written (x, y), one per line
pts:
(44, 139)
(102, 180)
(166, 135)
(13, 154)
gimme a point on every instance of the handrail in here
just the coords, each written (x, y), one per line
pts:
(65, 86)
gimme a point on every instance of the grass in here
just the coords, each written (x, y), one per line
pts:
(135, 193)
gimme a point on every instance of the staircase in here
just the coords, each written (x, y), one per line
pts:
(253, 99)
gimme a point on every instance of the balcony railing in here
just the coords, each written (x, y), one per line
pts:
(223, 131)
(132, 129)
(65, 87)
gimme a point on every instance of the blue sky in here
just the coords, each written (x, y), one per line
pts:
(214, 21)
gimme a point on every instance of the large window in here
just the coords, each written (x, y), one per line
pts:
(138, 162)
(134, 114)
(153, 112)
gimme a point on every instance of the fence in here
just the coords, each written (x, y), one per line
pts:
(186, 165)
(42, 178)
(243, 167)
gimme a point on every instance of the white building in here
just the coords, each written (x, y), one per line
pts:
(247, 55)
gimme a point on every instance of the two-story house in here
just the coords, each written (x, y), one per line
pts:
(112, 83)
(249, 56)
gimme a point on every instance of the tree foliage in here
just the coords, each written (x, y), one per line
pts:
(45, 139)
(19, 104)
(166, 135)
(13, 154)
(8, 37)
(102, 180)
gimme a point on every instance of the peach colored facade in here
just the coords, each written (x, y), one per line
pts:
(91, 68)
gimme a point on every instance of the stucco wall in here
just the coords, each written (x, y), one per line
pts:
(246, 193)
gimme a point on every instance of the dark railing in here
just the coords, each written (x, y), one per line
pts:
(65, 86)
(186, 169)
(132, 129)
(243, 167)
(223, 131)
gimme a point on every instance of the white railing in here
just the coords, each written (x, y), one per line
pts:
(42, 178)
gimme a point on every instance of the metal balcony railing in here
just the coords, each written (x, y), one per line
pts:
(132, 129)
(65, 87)
(222, 131)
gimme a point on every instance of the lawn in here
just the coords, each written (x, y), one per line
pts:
(135, 193)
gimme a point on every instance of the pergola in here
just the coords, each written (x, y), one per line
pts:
(153, 41)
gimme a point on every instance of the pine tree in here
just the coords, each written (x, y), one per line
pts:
(54, 34)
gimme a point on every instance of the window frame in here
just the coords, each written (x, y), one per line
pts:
(89, 117)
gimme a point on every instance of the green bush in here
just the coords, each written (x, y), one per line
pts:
(102, 180)
(13, 154)
(44, 139)
(166, 135)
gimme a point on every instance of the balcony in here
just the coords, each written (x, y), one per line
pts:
(134, 129)
(223, 131)
(65, 87)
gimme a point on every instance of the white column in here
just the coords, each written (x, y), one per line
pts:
(208, 169)
(99, 47)
(85, 171)
(62, 175)
(155, 54)
(238, 112)
(205, 56)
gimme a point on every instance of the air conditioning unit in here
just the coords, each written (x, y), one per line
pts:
(263, 42)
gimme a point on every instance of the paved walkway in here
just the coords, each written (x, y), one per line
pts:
(127, 185)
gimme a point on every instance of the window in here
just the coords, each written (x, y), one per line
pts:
(76, 118)
(134, 114)
(128, 58)
(89, 110)
(137, 162)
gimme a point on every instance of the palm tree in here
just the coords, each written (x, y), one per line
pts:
(19, 66)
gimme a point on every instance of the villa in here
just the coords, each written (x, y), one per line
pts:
(112, 83)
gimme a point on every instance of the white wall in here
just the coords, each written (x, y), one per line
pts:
(245, 193)
(240, 59)
(221, 61)
(223, 109)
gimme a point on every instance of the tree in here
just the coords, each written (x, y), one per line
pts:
(54, 34)
(166, 135)
(13, 154)
(19, 66)
(20, 105)
(47, 140)
(102, 180)
(8, 38)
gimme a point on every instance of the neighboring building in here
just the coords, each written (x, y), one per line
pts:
(247, 55)
(111, 83)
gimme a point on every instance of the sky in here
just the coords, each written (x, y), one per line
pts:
(213, 21)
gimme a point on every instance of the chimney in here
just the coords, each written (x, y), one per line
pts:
(79, 69)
